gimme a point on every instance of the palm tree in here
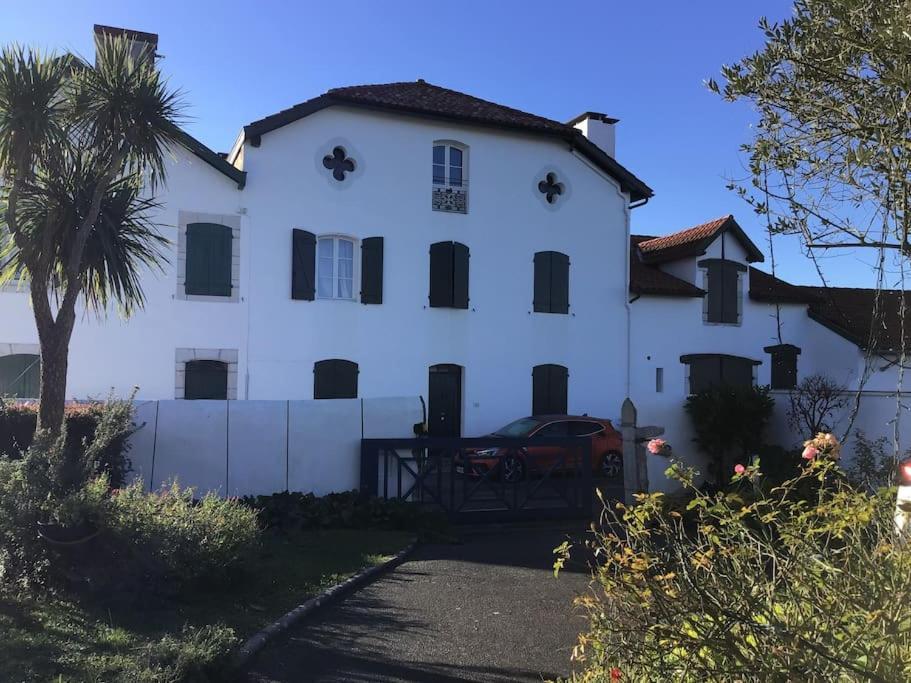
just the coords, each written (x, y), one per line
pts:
(81, 151)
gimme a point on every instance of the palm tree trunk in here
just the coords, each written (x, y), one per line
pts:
(54, 336)
(54, 360)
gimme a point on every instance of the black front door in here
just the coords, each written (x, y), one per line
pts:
(444, 414)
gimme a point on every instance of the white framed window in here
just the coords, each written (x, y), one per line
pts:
(336, 274)
(449, 164)
(450, 176)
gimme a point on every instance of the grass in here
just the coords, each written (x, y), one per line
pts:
(144, 639)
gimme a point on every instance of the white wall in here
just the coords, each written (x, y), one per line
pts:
(666, 328)
(243, 448)
(117, 354)
(497, 341)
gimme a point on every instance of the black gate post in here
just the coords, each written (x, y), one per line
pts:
(370, 470)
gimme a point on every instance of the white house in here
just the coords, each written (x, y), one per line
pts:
(703, 312)
(409, 240)
(387, 240)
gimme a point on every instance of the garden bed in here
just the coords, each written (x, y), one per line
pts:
(133, 640)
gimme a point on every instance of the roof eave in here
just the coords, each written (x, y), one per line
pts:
(210, 157)
(629, 183)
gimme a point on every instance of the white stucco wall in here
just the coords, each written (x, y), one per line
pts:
(499, 339)
(666, 328)
(117, 354)
(277, 340)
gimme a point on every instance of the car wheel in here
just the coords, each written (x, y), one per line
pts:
(612, 464)
(513, 468)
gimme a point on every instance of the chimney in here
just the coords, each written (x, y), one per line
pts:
(598, 128)
(140, 41)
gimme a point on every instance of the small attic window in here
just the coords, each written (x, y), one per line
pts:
(784, 365)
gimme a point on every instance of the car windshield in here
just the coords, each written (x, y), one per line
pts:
(520, 427)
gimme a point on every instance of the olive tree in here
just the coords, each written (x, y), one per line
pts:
(831, 155)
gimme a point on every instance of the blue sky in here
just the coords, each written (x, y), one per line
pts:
(643, 62)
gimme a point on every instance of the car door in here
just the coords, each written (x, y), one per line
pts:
(594, 432)
(544, 457)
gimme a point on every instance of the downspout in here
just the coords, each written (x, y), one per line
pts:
(627, 304)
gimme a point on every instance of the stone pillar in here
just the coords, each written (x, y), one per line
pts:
(630, 465)
(635, 457)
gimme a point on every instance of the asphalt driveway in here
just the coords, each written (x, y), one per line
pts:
(489, 609)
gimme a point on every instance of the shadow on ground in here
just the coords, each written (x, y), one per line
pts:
(488, 609)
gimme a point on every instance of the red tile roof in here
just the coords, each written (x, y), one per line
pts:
(694, 241)
(647, 279)
(420, 96)
(846, 311)
(770, 289)
(432, 101)
(870, 320)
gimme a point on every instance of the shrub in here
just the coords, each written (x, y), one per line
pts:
(775, 588)
(815, 403)
(17, 432)
(729, 422)
(23, 557)
(198, 654)
(291, 511)
(872, 466)
(172, 541)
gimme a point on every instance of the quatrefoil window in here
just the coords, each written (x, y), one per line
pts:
(550, 188)
(339, 163)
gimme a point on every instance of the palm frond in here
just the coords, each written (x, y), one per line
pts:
(32, 108)
(125, 105)
(124, 241)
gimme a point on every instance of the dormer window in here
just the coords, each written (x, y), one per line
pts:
(450, 178)
(723, 283)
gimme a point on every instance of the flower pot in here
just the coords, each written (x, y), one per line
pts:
(61, 535)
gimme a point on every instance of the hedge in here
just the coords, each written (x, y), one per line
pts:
(17, 429)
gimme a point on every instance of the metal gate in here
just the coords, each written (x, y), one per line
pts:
(484, 478)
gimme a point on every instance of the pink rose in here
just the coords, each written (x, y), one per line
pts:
(809, 453)
(656, 446)
(739, 469)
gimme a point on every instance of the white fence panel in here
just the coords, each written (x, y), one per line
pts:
(260, 447)
(142, 443)
(192, 445)
(257, 447)
(324, 445)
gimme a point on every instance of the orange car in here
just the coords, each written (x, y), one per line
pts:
(516, 463)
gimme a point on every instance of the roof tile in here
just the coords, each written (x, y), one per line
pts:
(651, 280)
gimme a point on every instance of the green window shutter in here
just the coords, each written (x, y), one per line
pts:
(549, 389)
(460, 257)
(205, 379)
(335, 378)
(715, 295)
(372, 270)
(441, 294)
(559, 282)
(542, 282)
(729, 293)
(20, 375)
(209, 256)
(303, 265)
(784, 365)
(705, 373)
(737, 372)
